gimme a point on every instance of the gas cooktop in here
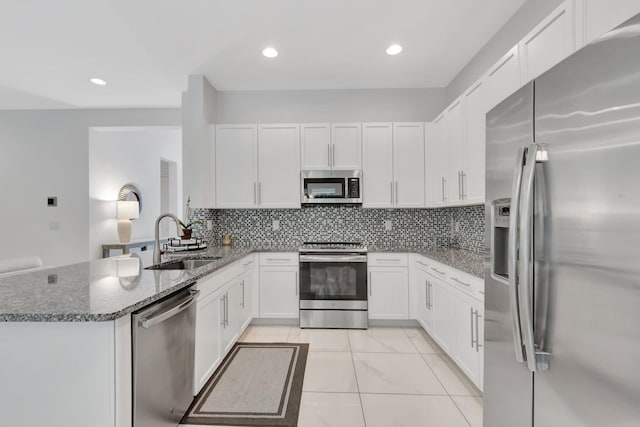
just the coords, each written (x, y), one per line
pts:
(308, 247)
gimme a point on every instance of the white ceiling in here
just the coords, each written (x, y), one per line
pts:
(145, 49)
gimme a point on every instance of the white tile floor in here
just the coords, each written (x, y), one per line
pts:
(379, 377)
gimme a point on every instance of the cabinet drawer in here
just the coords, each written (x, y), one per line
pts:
(247, 263)
(467, 283)
(433, 268)
(387, 260)
(279, 258)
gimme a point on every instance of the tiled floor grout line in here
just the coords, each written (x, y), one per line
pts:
(355, 375)
(460, 410)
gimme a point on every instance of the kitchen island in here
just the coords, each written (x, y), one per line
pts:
(65, 333)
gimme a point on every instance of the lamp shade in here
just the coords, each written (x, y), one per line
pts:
(127, 209)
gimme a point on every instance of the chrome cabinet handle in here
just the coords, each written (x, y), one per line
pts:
(259, 193)
(536, 360)
(473, 341)
(430, 293)
(329, 155)
(426, 294)
(464, 190)
(242, 284)
(443, 192)
(370, 284)
(226, 309)
(422, 263)
(461, 282)
(278, 259)
(478, 345)
(459, 187)
(223, 311)
(512, 264)
(436, 270)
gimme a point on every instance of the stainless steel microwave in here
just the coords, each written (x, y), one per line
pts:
(328, 186)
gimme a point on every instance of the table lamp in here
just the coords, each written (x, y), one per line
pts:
(127, 210)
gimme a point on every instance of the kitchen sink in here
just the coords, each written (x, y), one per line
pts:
(184, 264)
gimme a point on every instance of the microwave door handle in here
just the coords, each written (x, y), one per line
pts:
(513, 252)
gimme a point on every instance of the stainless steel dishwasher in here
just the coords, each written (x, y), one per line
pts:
(163, 337)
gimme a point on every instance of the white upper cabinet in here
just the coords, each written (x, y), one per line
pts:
(236, 166)
(278, 183)
(437, 165)
(596, 17)
(475, 110)
(393, 166)
(346, 146)
(377, 178)
(549, 42)
(315, 142)
(503, 78)
(457, 156)
(408, 159)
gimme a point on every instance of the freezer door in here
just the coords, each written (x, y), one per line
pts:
(508, 383)
(587, 269)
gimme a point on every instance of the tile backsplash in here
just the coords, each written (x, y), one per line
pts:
(457, 227)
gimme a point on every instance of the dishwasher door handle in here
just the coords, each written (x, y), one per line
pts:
(183, 305)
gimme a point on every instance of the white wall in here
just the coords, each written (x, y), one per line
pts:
(528, 16)
(129, 156)
(357, 105)
(46, 153)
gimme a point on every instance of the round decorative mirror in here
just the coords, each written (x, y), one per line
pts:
(131, 193)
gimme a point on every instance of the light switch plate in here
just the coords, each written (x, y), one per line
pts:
(275, 225)
(209, 225)
(388, 226)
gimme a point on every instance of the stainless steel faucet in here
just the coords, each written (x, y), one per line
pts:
(157, 250)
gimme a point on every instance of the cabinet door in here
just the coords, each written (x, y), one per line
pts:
(503, 78)
(236, 166)
(437, 162)
(207, 347)
(423, 291)
(465, 352)
(456, 144)
(279, 166)
(442, 330)
(231, 327)
(377, 146)
(388, 293)
(475, 110)
(346, 146)
(246, 289)
(408, 158)
(548, 43)
(315, 143)
(596, 17)
(279, 292)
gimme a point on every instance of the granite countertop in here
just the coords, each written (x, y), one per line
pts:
(110, 288)
(101, 290)
(461, 259)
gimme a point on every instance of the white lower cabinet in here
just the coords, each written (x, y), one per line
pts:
(388, 293)
(468, 317)
(207, 352)
(279, 291)
(442, 330)
(223, 311)
(450, 308)
(424, 291)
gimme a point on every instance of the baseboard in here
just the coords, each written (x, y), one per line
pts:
(387, 323)
(275, 322)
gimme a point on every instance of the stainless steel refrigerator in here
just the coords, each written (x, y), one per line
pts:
(562, 302)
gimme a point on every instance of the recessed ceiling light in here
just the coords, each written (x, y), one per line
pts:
(270, 52)
(97, 81)
(394, 49)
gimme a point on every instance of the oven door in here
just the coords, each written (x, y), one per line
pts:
(333, 281)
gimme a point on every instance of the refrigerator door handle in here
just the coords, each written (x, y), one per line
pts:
(513, 253)
(536, 361)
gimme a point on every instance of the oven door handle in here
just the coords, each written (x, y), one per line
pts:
(333, 258)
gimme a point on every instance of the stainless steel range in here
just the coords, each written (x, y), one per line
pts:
(333, 285)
